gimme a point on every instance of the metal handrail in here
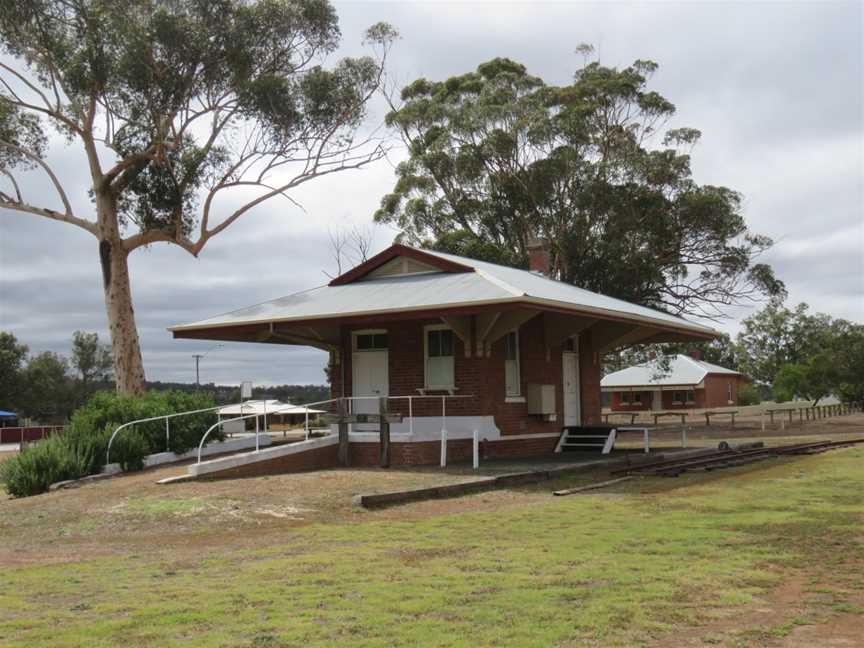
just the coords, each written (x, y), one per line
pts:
(350, 399)
(243, 418)
(159, 418)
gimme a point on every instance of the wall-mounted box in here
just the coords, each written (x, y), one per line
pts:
(541, 399)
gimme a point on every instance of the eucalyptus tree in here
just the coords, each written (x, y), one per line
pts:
(190, 113)
(497, 157)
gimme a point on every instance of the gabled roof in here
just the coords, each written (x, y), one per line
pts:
(683, 371)
(423, 256)
(459, 282)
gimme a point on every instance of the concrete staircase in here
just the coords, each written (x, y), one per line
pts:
(595, 439)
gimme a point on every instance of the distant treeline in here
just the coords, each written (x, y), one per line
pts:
(224, 394)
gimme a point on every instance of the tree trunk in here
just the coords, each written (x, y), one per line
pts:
(125, 349)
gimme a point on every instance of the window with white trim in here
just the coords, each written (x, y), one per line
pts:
(637, 398)
(512, 378)
(729, 392)
(625, 398)
(691, 397)
(677, 397)
(370, 341)
(440, 366)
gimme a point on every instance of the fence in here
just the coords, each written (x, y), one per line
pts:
(29, 433)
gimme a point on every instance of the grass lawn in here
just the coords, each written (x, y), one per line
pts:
(652, 561)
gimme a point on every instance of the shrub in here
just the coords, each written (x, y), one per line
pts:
(109, 409)
(81, 449)
(749, 395)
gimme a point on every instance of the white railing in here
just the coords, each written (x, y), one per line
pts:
(350, 400)
(159, 418)
(285, 409)
(279, 410)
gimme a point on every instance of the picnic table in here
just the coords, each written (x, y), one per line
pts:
(682, 415)
(709, 414)
(632, 416)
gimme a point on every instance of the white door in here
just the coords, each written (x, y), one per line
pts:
(657, 400)
(570, 366)
(370, 379)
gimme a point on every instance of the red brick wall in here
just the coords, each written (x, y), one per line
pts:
(715, 390)
(616, 406)
(429, 452)
(315, 459)
(482, 377)
(670, 404)
(589, 380)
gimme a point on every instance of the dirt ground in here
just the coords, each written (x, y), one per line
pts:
(116, 518)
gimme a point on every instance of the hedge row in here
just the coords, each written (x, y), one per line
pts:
(80, 450)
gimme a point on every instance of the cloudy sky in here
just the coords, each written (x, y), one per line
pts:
(775, 87)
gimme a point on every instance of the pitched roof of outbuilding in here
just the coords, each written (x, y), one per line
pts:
(683, 370)
(454, 282)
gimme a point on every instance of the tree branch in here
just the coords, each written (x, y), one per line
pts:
(29, 154)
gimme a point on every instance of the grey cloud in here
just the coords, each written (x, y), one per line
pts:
(775, 88)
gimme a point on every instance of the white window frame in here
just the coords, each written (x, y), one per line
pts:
(426, 330)
(676, 392)
(636, 398)
(690, 396)
(729, 393)
(518, 392)
(356, 334)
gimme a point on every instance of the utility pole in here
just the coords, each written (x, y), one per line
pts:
(197, 357)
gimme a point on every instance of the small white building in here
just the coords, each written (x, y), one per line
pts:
(264, 415)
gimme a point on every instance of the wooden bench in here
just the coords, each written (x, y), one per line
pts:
(708, 415)
(632, 416)
(682, 415)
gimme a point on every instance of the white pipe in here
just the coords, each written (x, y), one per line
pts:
(443, 447)
(411, 415)
(476, 448)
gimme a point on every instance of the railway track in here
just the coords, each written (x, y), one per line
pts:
(726, 457)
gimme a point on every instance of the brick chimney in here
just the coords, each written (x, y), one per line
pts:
(696, 354)
(539, 259)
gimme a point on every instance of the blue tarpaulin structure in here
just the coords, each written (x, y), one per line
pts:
(5, 414)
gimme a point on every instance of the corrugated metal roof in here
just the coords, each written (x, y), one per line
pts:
(536, 285)
(261, 407)
(683, 370)
(488, 284)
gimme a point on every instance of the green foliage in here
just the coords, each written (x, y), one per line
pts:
(838, 368)
(847, 361)
(81, 449)
(91, 360)
(789, 383)
(109, 410)
(12, 356)
(776, 335)
(497, 156)
(749, 395)
(150, 68)
(48, 392)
